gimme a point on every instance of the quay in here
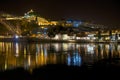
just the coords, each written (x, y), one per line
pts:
(52, 40)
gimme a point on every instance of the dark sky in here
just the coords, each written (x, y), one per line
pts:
(105, 12)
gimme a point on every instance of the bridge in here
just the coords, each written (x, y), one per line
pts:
(14, 29)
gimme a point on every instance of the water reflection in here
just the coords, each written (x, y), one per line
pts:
(74, 59)
(34, 55)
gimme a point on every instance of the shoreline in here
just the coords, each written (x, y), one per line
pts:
(51, 40)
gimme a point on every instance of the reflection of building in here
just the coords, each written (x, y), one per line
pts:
(30, 56)
(74, 59)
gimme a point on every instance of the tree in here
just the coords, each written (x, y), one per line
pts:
(51, 32)
(110, 34)
(27, 27)
(116, 36)
(61, 30)
(99, 35)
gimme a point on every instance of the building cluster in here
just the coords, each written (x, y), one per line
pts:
(32, 16)
(84, 30)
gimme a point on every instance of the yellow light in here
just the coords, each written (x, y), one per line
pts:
(42, 27)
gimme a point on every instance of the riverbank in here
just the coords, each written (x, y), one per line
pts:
(51, 40)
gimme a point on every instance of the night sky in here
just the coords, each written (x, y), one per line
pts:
(104, 12)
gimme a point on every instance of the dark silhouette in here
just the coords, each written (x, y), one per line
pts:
(99, 70)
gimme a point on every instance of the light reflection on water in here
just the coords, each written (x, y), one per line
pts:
(29, 56)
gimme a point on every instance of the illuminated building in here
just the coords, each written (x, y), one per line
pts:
(30, 15)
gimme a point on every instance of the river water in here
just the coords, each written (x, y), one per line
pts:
(32, 55)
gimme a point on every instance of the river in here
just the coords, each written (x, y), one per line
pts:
(32, 55)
